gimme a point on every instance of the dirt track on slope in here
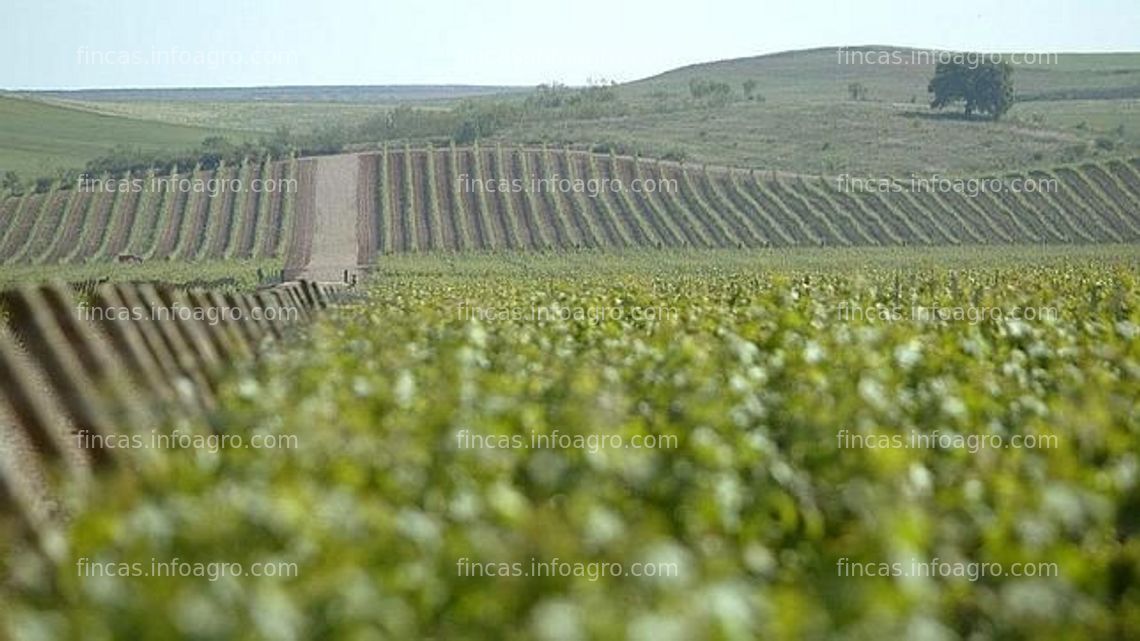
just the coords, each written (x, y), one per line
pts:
(334, 241)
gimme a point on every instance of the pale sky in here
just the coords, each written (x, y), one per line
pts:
(218, 43)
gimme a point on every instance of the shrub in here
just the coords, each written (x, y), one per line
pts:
(12, 183)
(710, 92)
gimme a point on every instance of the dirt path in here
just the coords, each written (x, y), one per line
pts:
(334, 243)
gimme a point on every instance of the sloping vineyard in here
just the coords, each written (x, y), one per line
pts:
(235, 212)
(484, 198)
(498, 198)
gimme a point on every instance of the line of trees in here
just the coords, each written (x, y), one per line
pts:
(598, 99)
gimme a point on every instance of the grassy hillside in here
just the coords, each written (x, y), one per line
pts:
(823, 74)
(36, 138)
(1082, 108)
(823, 137)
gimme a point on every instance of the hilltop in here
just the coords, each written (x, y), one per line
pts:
(800, 118)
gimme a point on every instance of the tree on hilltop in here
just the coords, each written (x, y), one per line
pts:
(986, 88)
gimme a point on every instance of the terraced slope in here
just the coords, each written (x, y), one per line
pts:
(538, 199)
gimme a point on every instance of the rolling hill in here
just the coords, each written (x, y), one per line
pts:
(823, 74)
(36, 138)
(1084, 107)
(754, 173)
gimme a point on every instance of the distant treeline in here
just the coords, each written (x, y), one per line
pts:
(467, 122)
(470, 120)
(213, 152)
(463, 124)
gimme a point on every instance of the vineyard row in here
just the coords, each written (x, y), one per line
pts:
(450, 199)
(479, 198)
(199, 215)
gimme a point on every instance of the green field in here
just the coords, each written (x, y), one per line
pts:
(37, 138)
(702, 412)
(261, 117)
